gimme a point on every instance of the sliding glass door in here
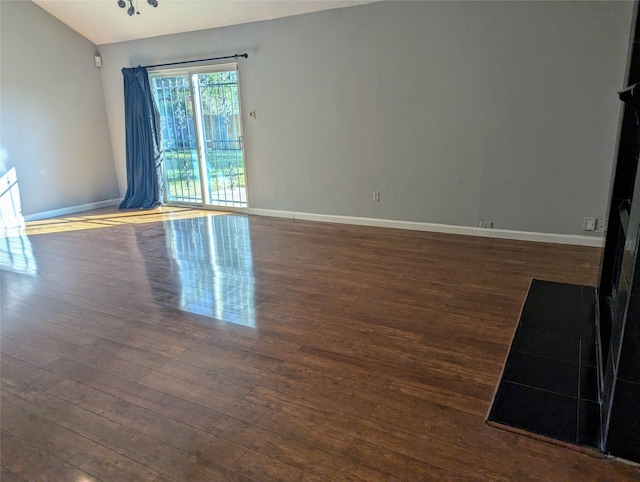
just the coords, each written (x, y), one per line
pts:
(201, 136)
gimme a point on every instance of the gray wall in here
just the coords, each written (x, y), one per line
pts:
(54, 125)
(456, 111)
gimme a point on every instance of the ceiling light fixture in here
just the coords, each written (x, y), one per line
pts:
(131, 10)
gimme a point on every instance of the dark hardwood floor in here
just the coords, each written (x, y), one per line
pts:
(185, 345)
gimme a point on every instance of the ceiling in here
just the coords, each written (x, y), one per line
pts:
(102, 21)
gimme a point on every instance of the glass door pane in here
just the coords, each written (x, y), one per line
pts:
(220, 131)
(182, 171)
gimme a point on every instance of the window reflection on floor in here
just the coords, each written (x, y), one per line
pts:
(215, 268)
(16, 253)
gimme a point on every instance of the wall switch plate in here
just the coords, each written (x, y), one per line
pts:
(589, 224)
(252, 114)
(601, 225)
(376, 196)
(485, 225)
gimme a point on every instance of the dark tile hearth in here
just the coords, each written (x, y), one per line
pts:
(544, 373)
(549, 383)
(554, 344)
(539, 411)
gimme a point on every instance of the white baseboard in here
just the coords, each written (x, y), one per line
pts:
(273, 213)
(72, 210)
(574, 239)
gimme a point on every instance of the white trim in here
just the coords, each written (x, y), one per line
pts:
(206, 207)
(273, 213)
(575, 239)
(72, 209)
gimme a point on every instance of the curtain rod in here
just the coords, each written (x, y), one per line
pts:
(235, 56)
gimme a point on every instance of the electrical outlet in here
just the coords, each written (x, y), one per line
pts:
(376, 196)
(589, 224)
(601, 225)
(485, 225)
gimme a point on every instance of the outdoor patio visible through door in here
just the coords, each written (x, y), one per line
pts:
(201, 135)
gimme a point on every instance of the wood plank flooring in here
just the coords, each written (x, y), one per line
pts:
(186, 345)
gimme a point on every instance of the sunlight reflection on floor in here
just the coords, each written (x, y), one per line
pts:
(209, 250)
(96, 221)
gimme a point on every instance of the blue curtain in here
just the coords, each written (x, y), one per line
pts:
(144, 150)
